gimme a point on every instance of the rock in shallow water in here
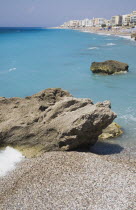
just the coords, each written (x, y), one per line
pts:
(112, 131)
(52, 120)
(133, 36)
(109, 67)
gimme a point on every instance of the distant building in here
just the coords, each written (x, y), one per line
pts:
(71, 24)
(89, 23)
(133, 18)
(134, 13)
(108, 22)
(116, 20)
(84, 22)
(98, 22)
(74, 23)
(126, 19)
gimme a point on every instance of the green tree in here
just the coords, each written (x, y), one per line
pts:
(103, 25)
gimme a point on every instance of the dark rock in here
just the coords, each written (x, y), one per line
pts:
(109, 67)
(133, 36)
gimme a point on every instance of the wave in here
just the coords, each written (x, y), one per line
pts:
(128, 117)
(93, 48)
(85, 31)
(110, 44)
(12, 69)
(103, 34)
(107, 34)
(9, 157)
(126, 37)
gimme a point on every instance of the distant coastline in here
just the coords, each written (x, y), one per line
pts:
(20, 28)
(121, 32)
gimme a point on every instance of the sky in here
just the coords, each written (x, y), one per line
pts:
(48, 13)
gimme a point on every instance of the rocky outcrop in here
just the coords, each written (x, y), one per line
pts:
(133, 36)
(52, 120)
(109, 67)
(112, 131)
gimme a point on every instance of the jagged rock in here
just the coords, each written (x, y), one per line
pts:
(109, 67)
(133, 36)
(52, 120)
(112, 131)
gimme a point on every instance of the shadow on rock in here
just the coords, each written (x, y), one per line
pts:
(103, 148)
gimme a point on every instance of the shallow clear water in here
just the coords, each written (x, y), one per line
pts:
(34, 60)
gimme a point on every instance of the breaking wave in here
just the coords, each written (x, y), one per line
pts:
(12, 69)
(128, 117)
(9, 157)
(93, 48)
(111, 44)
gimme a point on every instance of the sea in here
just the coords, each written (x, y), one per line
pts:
(35, 59)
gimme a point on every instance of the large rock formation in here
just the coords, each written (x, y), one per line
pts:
(52, 120)
(112, 131)
(109, 67)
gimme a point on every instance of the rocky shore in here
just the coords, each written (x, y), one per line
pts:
(52, 120)
(94, 177)
(133, 36)
(69, 162)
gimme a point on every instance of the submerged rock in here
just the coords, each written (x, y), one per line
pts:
(109, 67)
(112, 131)
(52, 120)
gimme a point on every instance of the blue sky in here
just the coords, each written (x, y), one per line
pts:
(54, 12)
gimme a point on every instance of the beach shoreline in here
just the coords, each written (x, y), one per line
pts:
(69, 180)
(110, 33)
(95, 30)
(100, 178)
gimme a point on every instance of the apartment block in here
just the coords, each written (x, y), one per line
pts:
(126, 19)
(116, 20)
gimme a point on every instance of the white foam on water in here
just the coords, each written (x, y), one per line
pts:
(128, 117)
(86, 32)
(104, 34)
(93, 48)
(107, 34)
(12, 69)
(126, 37)
(9, 157)
(109, 39)
(111, 44)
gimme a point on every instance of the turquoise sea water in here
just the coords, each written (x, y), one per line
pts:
(33, 60)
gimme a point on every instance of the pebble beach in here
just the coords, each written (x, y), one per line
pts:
(70, 180)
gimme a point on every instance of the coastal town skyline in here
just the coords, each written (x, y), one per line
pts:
(116, 20)
(44, 13)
